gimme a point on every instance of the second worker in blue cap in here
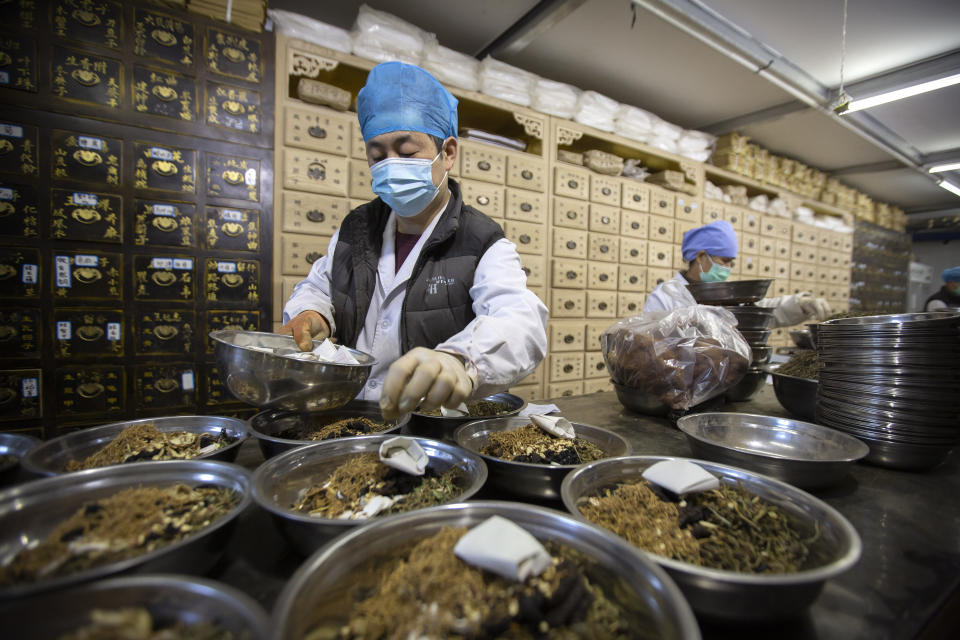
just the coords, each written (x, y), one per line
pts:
(426, 284)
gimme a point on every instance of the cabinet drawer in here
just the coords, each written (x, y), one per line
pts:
(634, 224)
(768, 246)
(540, 292)
(749, 267)
(533, 267)
(810, 272)
(768, 226)
(634, 251)
(568, 303)
(712, 211)
(318, 130)
(597, 385)
(601, 304)
(594, 366)
(766, 268)
(657, 275)
(688, 209)
(526, 173)
(568, 243)
(526, 206)
(680, 227)
(287, 283)
(605, 189)
(661, 229)
(632, 278)
(634, 195)
(602, 275)
(750, 243)
(536, 377)
(566, 335)
(603, 247)
(358, 148)
(565, 389)
(569, 274)
(750, 221)
(846, 242)
(528, 392)
(595, 329)
(803, 234)
(629, 304)
(780, 287)
(312, 214)
(660, 254)
(528, 237)
(482, 162)
(782, 269)
(680, 264)
(604, 219)
(824, 277)
(483, 196)
(825, 239)
(571, 182)
(573, 214)
(782, 249)
(733, 215)
(360, 181)
(662, 202)
(566, 366)
(783, 228)
(315, 172)
(299, 253)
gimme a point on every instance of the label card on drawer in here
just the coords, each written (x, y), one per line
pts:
(22, 391)
(164, 332)
(573, 214)
(601, 304)
(229, 229)
(94, 390)
(526, 173)
(241, 283)
(569, 274)
(316, 172)
(633, 251)
(20, 333)
(526, 206)
(318, 129)
(632, 278)
(602, 275)
(604, 247)
(233, 177)
(483, 196)
(527, 236)
(567, 303)
(88, 332)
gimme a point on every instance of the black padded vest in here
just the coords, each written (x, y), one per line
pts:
(437, 303)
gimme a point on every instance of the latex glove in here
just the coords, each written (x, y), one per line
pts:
(436, 377)
(813, 307)
(306, 327)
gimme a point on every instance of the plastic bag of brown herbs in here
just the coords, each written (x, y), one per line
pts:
(136, 623)
(364, 487)
(142, 442)
(129, 523)
(533, 445)
(425, 591)
(727, 528)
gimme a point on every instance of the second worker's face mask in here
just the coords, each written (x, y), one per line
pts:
(406, 184)
(717, 272)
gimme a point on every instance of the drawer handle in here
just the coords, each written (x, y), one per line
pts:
(662, 231)
(567, 393)
(573, 184)
(571, 275)
(634, 253)
(634, 279)
(569, 304)
(483, 165)
(524, 239)
(604, 248)
(686, 209)
(637, 197)
(602, 306)
(605, 220)
(663, 204)
(600, 366)
(317, 132)
(571, 215)
(568, 339)
(733, 219)
(634, 225)
(571, 244)
(313, 256)
(568, 368)
(659, 280)
(316, 171)
(661, 256)
(526, 271)
(315, 215)
(483, 200)
(604, 277)
(632, 306)
(606, 191)
(526, 174)
(526, 206)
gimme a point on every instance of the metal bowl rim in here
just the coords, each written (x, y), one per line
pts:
(260, 435)
(13, 447)
(220, 334)
(468, 418)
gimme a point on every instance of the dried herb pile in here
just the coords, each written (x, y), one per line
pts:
(479, 409)
(727, 528)
(144, 442)
(129, 523)
(136, 623)
(345, 428)
(362, 477)
(433, 594)
(532, 444)
(802, 364)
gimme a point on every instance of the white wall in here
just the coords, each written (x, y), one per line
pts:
(940, 255)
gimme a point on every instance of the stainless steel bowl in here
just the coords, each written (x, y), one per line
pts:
(267, 425)
(168, 598)
(730, 292)
(315, 596)
(796, 395)
(761, 355)
(528, 480)
(277, 482)
(51, 457)
(805, 455)
(29, 512)
(750, 318)
(442, 427)
(803, 338)
(270, 381)
(756, 338)
(748, 386)
(640, 401)
(16, 445)
(727, 594)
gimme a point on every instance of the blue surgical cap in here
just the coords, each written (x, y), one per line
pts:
(717, 239)
(404, 97)
(951, 275)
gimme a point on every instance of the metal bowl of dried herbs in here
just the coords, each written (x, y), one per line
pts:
(143, 517)
(755, 548)
(435, 425)
(13, 448)
(144, 607)
(795, 383)
(150, 439)
(400, 578)
(319, 491)
(529, 462)
(280, 431)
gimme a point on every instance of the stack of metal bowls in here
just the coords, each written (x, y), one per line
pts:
(893, 382)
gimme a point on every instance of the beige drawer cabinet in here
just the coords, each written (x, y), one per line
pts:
(662, 228)
(634, 251)
(595, 329)
(688, 209)
(782, 249)
(571, 182)
(768, 246)
(766, 268)
(660, 254)
(750, 243)
(568, 303)
(634, 195)
(564, 367)
(568, 274)
(632, 278)
(594, 366)
(603, 247)
(358, 149)
(712, 211)
(662, 202)
(566, 335)
(564, 389)
(528, 392)
(525, 206)
(782, 269)
(657, 276)
(312, 214)
(602, 275)
(733, 215)
(479, 161)
(300, 252)
(597, 385)
(360, 179)
(526, 173)
(749, 267)
(534, 268)
(751, 222)
(680, 227)
(317, 129)
(629, 304)
(569, 243)
(570, 213)
(634, 224)
(483, 196)
(315, 172)
(604, 219)
(287, 284)
(605, 189)
(601, 304)
(528, 237)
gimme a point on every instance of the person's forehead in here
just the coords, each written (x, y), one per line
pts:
(395, 137)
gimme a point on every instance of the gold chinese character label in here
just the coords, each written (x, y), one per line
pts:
(161, 37)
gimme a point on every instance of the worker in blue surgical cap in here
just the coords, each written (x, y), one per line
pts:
(710, 252)
(948, 297)
(425, 283)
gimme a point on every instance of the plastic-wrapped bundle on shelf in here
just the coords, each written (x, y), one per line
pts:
(696, 145)
(295, 25)
(666, 144)
(383, 37)
(501, 80)
(451, 67)
(556, 98)
(664, 129)
(596, 110)
(631, 122)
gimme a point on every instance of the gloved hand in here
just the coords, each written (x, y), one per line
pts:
(814, 307)
(306, 327)
(437, 377)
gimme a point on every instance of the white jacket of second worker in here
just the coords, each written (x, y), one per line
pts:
(786, 313)
(503, 344)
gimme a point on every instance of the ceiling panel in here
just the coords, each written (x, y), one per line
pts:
(905, 188)
(929, 121)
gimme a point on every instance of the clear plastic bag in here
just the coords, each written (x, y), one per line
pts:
(451, 67)
(683, 357)
(596, 110)
(556, 98)
(378, 35)
(302, 27)
(501, 80)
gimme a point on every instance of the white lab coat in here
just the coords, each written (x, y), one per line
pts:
(503, 344)
(787, 310)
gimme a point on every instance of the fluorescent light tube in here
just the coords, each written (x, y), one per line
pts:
(940, 168)
(900, 94)
(949, 186)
